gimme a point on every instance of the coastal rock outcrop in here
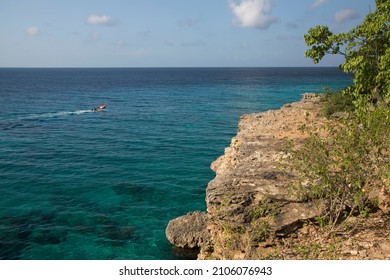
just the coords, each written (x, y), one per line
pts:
(188, 231)
(249, 201)
(251, 212)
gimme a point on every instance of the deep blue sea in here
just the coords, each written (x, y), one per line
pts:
(77, 184)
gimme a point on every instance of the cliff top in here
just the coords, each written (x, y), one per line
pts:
(251, 213)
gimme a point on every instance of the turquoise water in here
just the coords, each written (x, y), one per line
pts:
(78, 184)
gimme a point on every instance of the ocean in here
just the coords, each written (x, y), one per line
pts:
(78, 184)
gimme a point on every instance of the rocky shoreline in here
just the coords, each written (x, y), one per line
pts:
(251, 214)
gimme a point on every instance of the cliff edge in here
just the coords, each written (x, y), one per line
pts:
(251, 212)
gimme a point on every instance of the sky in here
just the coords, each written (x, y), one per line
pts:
(168, 33)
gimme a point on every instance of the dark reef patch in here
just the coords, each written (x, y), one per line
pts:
(19, 232)
(127, 188)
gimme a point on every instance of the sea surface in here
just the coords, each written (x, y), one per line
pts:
(78, 184)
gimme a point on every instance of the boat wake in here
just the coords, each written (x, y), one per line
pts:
(53, 115)
(22, 121)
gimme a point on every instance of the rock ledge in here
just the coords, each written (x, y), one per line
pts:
(250, 212)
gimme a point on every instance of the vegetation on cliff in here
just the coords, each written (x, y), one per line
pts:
(351, 163)
(347, 168)
(367, 54)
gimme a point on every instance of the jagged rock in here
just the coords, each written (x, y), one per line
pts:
(291, 216)
(340, 115)
(249, 199)
(188, 231)
(250, 209)
(384, 199)
(309, 96)
(381, 196)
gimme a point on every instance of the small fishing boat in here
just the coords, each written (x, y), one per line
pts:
(101, 107)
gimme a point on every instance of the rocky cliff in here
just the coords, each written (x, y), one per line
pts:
(251, 212)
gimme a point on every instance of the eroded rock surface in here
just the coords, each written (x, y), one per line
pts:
(251, 212)
(249, 201)
(188, 231)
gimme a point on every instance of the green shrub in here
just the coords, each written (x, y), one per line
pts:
(335, 101)
(260, 230)
(344, 167)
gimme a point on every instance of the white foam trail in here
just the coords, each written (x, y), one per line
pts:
(52, 115)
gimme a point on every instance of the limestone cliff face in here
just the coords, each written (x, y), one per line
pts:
(248, 202)
(249, 207)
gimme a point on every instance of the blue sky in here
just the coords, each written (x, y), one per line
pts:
(168, 33)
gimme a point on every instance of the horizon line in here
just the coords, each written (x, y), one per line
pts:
(153, 67)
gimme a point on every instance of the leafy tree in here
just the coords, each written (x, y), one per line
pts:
(367, 54)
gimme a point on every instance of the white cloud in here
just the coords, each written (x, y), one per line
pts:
(346, 15)
(100, 20)
(318, 3)
(253, 13)
(32, 31)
